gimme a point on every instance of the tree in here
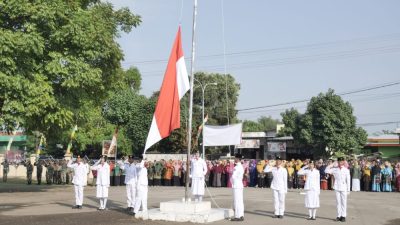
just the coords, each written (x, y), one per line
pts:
(263, 124)
(56, 55)
(133, 112)
(328, 124)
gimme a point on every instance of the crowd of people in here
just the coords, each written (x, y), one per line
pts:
(366, 175)
(280, 175)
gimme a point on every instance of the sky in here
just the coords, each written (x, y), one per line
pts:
(279, 51)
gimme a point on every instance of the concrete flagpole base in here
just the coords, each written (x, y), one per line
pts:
(178, 211)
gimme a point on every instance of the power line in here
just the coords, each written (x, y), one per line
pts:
(377, 124)
(341, 94)
(363, 40)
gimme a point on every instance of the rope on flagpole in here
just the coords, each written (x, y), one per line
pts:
(181, 14)
(224, 49)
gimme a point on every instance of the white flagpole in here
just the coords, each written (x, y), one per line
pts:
(189, 136)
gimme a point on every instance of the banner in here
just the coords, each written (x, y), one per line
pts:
(276, 146)
(222, 135)
(249, 143)
(109, 152)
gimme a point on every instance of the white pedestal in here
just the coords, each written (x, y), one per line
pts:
(195, 212)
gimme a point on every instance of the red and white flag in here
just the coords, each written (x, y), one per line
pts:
(175, 84)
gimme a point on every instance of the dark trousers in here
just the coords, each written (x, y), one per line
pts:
(39, 178)
(167, 182)
(29, 178)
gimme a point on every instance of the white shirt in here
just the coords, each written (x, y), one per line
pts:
(312, 180)
(103, 174)
(80, 173)
(198, 168)
(142, 175)
(342, 178)
(130, 173)
(237, 176)
(280, 179)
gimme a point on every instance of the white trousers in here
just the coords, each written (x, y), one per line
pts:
(355, 184)
(131, 194)
(279, 202)
(341, 203)
(238, 204)
(78, 195)
(141, 198)
(101, 191)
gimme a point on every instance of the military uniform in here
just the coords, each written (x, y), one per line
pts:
(39, 170)
(49, 173)
(237, 187)
(29, 171)
(279, 187)
(6, 168)
(79, 180)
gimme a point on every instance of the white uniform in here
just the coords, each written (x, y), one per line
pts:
(102, 182)
(142, 188)
(341, 187)
(312, 188)
(279, 187)
(79, 180)
(130, 181)
(198, 170)
(237, 187)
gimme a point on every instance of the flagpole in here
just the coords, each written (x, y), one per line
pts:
(189, 136)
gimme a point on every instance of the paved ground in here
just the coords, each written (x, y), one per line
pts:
(23, 204)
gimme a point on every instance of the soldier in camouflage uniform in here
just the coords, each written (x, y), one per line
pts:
(29, 171)
(63, 172)
(49, 173)
(39, 170)
(6, 168)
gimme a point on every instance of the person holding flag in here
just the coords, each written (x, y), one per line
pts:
(198, 170)
(79, 180)
(130, 180)
(142, 186)
(237, 187)
(103, 181)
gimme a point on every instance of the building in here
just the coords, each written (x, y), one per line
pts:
(388, 146)
(15, 144)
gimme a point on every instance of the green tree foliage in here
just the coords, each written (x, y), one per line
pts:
(328, 123)
(134, 113)
(56, 55)
(263, 124)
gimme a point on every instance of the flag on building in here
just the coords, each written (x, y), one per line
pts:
(166, 117)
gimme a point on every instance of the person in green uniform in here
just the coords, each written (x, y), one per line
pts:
(49, 173)
(39, 170)
(6, 169)
(29, 171)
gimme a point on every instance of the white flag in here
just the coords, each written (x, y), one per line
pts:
(222, 135)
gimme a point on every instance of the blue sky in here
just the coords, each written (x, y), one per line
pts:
(279, 51)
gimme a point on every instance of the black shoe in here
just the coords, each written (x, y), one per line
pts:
(314, 218)
(75, 207)
(338, 218)
(280, 217)
(129, 209)
(309, 218)
(235, 219)
(99, 209)
(275, 216)
(241, 218)
(79, 207)
(343, 219)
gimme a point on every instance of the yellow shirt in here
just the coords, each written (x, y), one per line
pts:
(367, 171)
(260, 166)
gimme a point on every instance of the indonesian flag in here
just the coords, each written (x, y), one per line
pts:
(175, 84)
